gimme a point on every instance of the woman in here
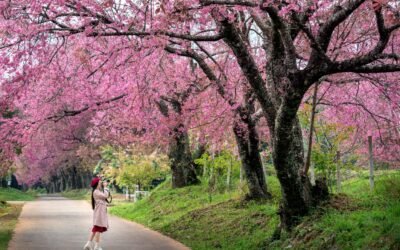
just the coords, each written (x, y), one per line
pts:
(100, 193)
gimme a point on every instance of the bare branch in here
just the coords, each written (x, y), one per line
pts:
(285, 36)
(314, 44)
(206, 69)
(372, 55)
(384, 68)
(66, 113)
(326, 30)
(199, 38)
(229, 2)
(249, 67)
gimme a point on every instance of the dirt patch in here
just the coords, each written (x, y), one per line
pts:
(342, 202)
(9, 212)
(306, 232)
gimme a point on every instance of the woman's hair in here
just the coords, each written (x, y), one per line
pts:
(93, 203)
(93, 189)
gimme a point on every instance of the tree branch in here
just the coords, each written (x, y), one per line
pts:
(249, 67)
(385, 68)
(229, 2)
(326, 30)
(372, 55)
(313, 42)
(199, 38)
(285, 36)
(206, 69)
(66, 113)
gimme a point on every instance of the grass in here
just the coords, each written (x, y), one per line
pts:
(355, 219)
(8, 219)
(12, 194)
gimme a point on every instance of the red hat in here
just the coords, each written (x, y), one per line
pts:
(94, 182)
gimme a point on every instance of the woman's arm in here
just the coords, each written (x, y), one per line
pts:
(100, 195)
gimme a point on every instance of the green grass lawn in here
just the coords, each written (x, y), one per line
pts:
(8, 219)
(12, 194)
(355, 219)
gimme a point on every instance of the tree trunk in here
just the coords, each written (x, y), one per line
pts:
(288, 157)
(68, 182)
(298, 196)
(182, 165)
(82, 182)
(61, 186)
(75, 180)
(247, 142)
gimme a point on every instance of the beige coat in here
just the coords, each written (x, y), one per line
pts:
(100, 217)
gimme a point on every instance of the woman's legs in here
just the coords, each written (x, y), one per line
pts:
(97, 238)
(91, 237)
(89, 244)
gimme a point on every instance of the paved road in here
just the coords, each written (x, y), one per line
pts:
(56, 223)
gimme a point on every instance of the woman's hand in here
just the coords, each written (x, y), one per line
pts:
(105, 184)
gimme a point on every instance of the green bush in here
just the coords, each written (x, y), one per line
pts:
(388, 186)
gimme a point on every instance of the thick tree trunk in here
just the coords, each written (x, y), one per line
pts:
(68, 182)
(61, 186)
(247, 142)
(296, 191)
(182, 165)
(82, 184)
(74, 178)
(298, 196)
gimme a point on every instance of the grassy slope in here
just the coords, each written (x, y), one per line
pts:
(357, 219)
(8, 219)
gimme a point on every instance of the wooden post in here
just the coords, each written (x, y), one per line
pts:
(228, 178)
(205, 170)
(212, 161)
(129, 193)
(312, 174)
(241, 173)
(338, 177)
(264, 168)
(371, 163)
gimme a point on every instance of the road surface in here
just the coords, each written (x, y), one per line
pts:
(50, 223)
